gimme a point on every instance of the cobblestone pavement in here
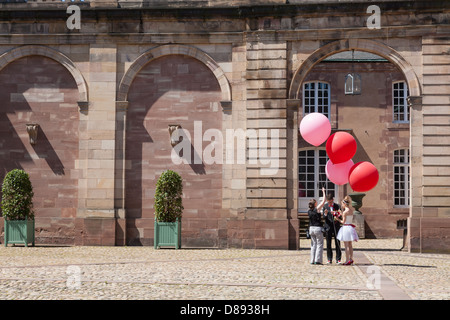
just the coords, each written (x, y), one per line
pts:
(64, 273)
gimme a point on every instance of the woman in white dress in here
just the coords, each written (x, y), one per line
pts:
(347, 232)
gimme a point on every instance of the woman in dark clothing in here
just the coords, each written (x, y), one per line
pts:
(332, 227)
(316, 229)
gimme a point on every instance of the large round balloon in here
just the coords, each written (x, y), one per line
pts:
(338, 173)
(363, 176)
(341, 147)
(315, 128)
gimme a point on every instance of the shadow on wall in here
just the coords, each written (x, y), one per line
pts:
(37, 89)
(44, 150)
(172, 89)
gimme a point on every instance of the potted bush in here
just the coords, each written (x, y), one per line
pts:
(168, 210)
(17, 208)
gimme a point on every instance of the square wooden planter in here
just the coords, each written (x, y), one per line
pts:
(167, 234)
(19, 231)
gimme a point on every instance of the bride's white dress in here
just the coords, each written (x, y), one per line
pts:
(347, 232)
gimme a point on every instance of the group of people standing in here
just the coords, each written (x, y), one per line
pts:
(337, 224)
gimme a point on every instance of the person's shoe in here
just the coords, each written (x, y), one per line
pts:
(338, 262)
(318, 263)
(329, 262)
(348, 263)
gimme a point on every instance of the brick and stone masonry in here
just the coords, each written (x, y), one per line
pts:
(172, 90)
(104, 95)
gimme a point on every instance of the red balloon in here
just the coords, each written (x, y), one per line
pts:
(341, 147)
(363, 176)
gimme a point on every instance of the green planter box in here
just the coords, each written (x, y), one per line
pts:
(167, 234)
(19, 231)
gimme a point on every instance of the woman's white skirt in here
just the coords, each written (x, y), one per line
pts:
(347, 233)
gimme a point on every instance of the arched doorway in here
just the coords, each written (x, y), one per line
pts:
(371, 46)
(377, 119)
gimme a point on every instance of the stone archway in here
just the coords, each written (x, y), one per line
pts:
(134, 212)
(37, 89)
(170, 49)
(31, 50)
(361, 45)
(414, 101)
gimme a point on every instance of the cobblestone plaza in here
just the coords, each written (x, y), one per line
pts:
(380, 272)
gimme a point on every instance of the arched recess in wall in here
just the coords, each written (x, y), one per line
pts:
(414, 85)
(361, 45)
(38, 88)
(31, 50)
(170, 49)
(168, 82)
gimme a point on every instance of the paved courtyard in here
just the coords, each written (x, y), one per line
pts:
(381, 271)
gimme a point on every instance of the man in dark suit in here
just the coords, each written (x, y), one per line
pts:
(332, 227)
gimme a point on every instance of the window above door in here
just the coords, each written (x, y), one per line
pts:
(316, 98)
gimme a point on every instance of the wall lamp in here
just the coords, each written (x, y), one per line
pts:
(174, 139)
(32, 129)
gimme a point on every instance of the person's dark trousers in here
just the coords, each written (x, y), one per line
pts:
(331, 234)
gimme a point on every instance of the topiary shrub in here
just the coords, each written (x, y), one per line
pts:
(17, 196)
(168, 201)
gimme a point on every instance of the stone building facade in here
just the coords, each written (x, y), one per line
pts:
(106, 94)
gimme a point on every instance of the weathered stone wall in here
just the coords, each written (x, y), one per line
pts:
(259, 53)
(428, 222)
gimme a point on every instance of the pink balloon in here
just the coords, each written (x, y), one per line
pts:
(315, 128)
(338, 173)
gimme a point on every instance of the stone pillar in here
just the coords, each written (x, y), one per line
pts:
(292, 107)
(267, 181)
(234, 170)
(416, 173)
(229, 185)
(119, 172)
(429, 222)
(97, 149)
